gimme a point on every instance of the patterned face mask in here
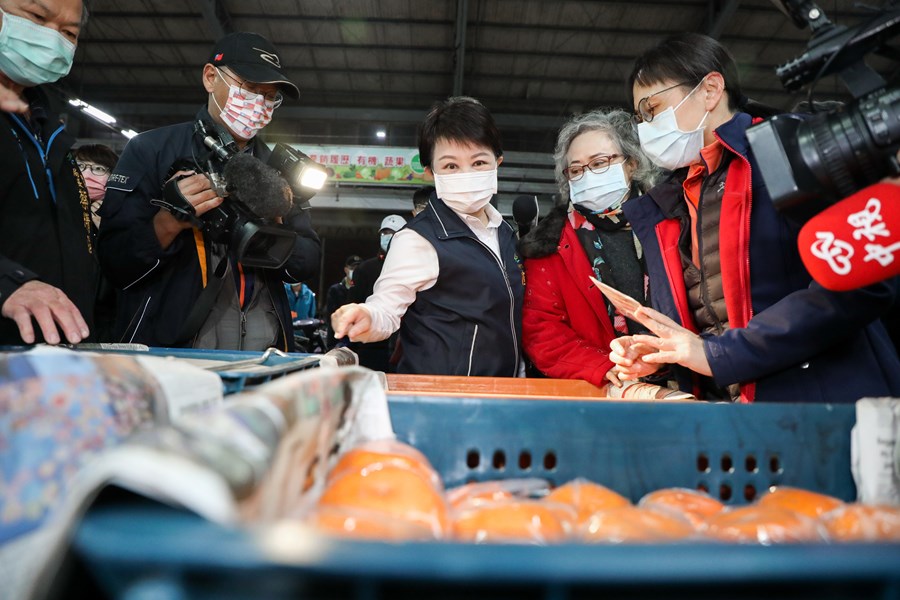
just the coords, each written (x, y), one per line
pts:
(245, 113)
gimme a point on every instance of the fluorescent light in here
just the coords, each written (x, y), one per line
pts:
(381, 134)
(93, 111)
(129, 133)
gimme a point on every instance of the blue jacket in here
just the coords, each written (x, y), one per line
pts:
(791, 340)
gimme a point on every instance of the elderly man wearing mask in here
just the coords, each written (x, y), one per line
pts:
(47, 271)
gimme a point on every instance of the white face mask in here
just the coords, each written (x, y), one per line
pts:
(385, 241)
(668, 146)
(245, 113)
(600, 191)
(466, 193)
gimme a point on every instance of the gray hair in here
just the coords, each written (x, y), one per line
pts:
(618, 125)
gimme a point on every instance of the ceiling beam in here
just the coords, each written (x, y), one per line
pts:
(216, 16)
(462, 18)
(719, 19)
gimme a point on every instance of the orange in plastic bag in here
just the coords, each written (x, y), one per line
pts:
(364, 524)
(496, 491)
(393, 491)
(863, 523)
(694, 505)
(630, 524)
(763, 525)
(587, 498)
(380, 453)
(811, 504)
(514, 521)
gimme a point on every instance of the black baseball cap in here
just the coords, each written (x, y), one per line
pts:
(352, 260)
(253, 58)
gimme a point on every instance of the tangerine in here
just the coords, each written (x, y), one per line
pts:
(811, 504)
(764, 525)
(693, 505)
(524, 521)
(632, 524)
(863, 523)
(587, 498)
(392, 491)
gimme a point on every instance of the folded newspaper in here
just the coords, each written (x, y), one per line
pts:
(74, 423)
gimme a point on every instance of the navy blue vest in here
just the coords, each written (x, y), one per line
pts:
(470, 321)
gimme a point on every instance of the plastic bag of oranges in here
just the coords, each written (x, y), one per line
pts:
(587, 498)
(863, 523)
(496, 490)
(811, 504)
(382, 453)
(694, 505)
(764, 525)
(634, 525)
(513, 521)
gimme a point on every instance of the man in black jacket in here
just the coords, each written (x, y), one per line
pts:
(162, 263)
(47, 271)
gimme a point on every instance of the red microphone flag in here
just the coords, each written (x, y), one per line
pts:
(856, 242)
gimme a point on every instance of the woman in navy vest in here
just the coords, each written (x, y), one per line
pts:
(452, 282)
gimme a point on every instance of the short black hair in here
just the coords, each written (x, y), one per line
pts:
(422, 195)
(459, 119)
(97, 153)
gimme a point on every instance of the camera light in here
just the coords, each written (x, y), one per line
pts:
(313, 177)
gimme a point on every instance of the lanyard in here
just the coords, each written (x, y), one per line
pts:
(41, 152)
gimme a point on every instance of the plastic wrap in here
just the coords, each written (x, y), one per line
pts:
(863, 523)
(587, 498)
(396, 492)
(496, 490)
(694, 505)
(634, 525)
(764, 525)
(514, 521)
(365, 524)
(382, 453)
(807, 503)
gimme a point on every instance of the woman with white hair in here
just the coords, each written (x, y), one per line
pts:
(567, 324)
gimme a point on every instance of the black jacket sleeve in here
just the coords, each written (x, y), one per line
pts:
(12, 276)
(127, 246)
(303, 263)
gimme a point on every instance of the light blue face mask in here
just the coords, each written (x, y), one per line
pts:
(31, 54)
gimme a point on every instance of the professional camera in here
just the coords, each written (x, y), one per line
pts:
(809, 163)
(255, 195)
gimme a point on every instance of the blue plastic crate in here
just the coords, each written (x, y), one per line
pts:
(147, 550)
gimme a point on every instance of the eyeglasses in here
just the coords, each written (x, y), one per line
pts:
(95, 169)
(275, 98)
(643, 114)
(597, 165)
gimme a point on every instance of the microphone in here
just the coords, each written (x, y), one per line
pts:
(855, 242)
(257, 186)
(525, 213)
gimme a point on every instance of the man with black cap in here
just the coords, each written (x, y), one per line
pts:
(180, 288)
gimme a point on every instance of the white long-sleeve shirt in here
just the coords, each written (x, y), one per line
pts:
(412, 266)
